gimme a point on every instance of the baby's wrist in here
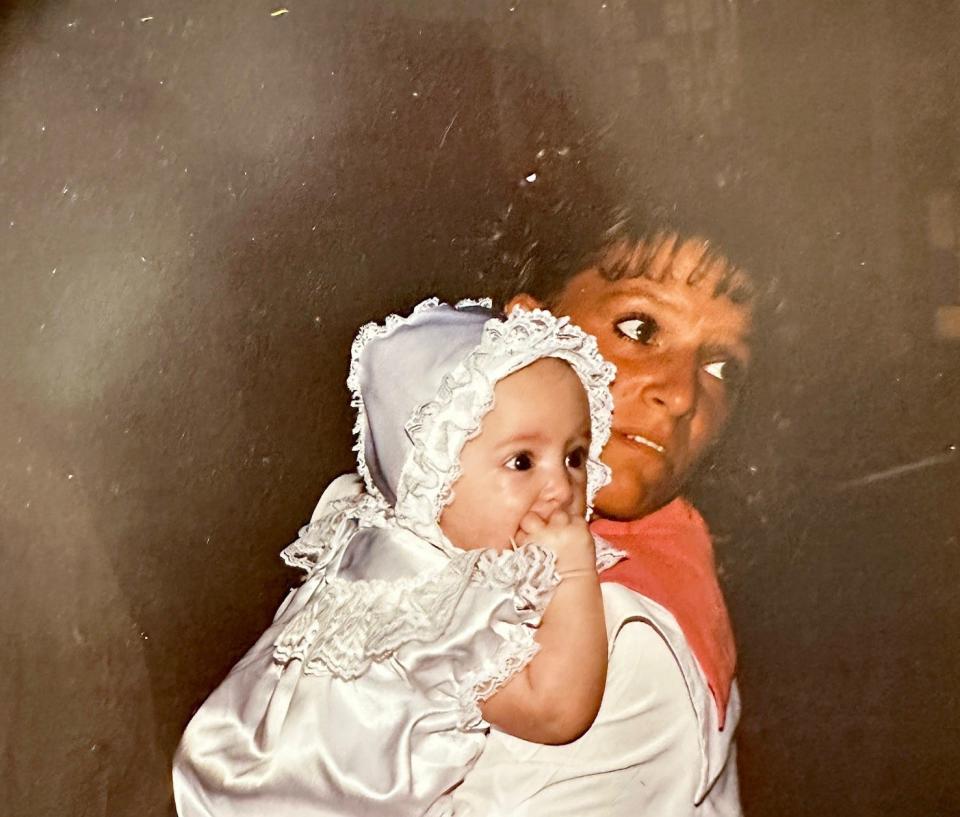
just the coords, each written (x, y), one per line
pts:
(578, 573)
(575, 564)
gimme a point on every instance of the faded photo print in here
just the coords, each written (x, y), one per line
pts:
(420, 407)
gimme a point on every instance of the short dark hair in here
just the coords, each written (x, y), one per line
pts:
(565, 213)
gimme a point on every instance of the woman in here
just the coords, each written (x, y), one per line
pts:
(674, 317)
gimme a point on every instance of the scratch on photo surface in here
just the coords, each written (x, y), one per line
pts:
(446, 133)
(896, 471)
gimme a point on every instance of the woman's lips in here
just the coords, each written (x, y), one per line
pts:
(639, 439)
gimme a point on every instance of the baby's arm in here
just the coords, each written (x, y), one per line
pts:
(555, 698)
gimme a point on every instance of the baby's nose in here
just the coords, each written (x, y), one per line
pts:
(558, 490)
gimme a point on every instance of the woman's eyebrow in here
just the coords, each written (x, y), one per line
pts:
(647, 295)
(739, 350)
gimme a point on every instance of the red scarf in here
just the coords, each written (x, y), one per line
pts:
(670, 560)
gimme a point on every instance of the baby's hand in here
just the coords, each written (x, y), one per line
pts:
(568, 537)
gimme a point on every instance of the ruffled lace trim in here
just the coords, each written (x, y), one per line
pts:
(514, 653)
(482, 303)
(439, 429)
(532, 573)
(530, 570)
(607, 554)
(320, 541)
(367, 333)
(348, 625)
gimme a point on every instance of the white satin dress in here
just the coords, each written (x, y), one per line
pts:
(310, 722)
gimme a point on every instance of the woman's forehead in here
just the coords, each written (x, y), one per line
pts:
(669, 258)
(671, 291)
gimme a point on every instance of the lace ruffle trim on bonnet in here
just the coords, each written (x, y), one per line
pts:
(439, 429)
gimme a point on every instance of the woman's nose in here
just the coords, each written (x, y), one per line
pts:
(673, 384)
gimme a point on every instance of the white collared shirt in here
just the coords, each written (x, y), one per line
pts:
(655, 749)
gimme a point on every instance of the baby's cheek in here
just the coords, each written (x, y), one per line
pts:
(577, 505)
(512, 512)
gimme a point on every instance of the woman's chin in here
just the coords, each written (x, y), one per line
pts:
(633, 500)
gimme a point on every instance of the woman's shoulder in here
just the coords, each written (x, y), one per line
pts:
(622, 605)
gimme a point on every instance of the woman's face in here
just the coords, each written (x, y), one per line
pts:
(680, 354)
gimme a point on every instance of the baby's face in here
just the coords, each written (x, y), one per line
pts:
(530, 455)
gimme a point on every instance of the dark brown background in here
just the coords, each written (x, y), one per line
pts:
(199, 202)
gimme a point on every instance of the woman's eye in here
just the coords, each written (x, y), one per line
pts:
(726, 370)
(520, 462)
(641, 328)
(576, 459)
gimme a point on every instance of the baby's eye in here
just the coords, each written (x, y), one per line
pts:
(576, 459)
(641, 328)
(727, 370)
(520, 462)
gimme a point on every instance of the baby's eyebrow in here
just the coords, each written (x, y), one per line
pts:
(585, 431)
(582, 437)
(529, 437)
(524, 437)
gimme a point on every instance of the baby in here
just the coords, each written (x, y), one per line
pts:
(457, 590)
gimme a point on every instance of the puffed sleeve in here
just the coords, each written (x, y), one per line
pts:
(501, 611)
